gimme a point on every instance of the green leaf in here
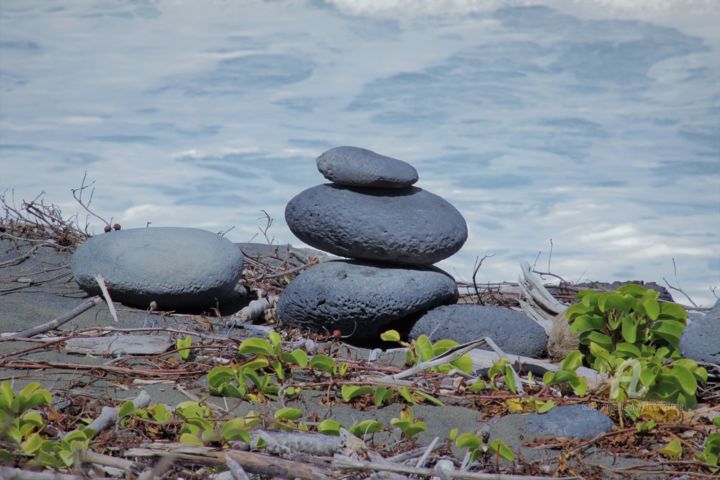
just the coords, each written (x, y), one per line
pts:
(477, 386)
(685, 378)
(429, 398)
(627, 350)
(235, 429)
(160, 413)
(672, 450)
(183, 346)
(255, 346)
(629, 329)
(381, 395)
(546, 406)
(652, 308)
(329, 427)
(468, 440)
(405, 394)
(670, 330)
(645, 426)
(323, 363)
(219, 375)
(275, 339)
(673, 310)
(31, 444)
(349, 392)
(601, 339)
(299, 357)
(423, 347)
(464, 363)
(632, 289)
(288, 413)
(572, 361)
(360, 429)
(501, 448)
(126, 409)
(390, 336)
(453, 433)
(510, 378)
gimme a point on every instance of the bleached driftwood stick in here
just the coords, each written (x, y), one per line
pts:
(536, 301)
(62, 319)
(344, 462)
(485, 359)
(251, 462)
(106, 294)
(108, 415)
(442, 359)
(7, 473)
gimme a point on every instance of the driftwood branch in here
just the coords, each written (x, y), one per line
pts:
(347, 463)
(250, 461)
(108, 415)
(62, 319)
(7, 473)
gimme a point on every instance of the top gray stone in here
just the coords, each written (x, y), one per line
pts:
(358, 167)
(179, 268)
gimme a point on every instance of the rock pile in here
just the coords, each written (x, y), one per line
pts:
(394, 231)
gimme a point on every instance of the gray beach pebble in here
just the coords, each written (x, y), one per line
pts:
(701, 337)
(409, 226)
(572, 421)
(362, 299)
(358, 167)
(512, 331)
(179, 268)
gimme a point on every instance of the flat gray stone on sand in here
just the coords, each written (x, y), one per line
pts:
(701, 337)
(358, 167)
(572, 421)
(512, 331)
(361, 299)
(179, 268)
(409, 226)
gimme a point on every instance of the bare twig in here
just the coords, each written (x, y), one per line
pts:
(678, 288)
(478, 264)
(62, 319)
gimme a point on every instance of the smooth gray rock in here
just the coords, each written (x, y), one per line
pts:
(573, 421)
(361, 299)
(701, 337)
(512, 331)
(358, 167)
(179, 268)
(408, 226)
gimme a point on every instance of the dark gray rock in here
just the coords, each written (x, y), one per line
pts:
(409, 226)
(512, 331)
(574, 421)
(362, 299)
(701, 337)
(179, 268)
(358, 167)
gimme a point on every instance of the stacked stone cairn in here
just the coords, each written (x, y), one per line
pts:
(390, 231)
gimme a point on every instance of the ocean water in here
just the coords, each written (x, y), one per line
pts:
(589, 126)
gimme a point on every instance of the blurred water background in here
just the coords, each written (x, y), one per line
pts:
(594, 125)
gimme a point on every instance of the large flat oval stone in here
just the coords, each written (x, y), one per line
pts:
(512, 331)
(410, 226)
(179, 268)
(358, 167)
(361, 299)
